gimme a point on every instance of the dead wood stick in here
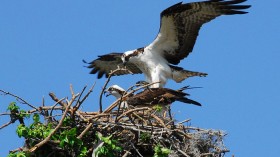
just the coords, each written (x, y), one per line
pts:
(136, 149)
(4, 125)
(77, 105)
(86, 96)
(19, 98)
(99, 115)
(105, 85)
(46, 108)
(127, 153)
(52, 95)
(159, 120)
(57, 102)
(133, 110)
(183, 153)
(85, 130)
(184, 121)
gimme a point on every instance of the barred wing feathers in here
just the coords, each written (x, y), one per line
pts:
(180, 25)
(105, 64)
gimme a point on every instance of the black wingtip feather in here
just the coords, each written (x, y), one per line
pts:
(84, 61)
(233, 12)
(236, 7)
(232, 7)
(189, 101)
(94, 71)
(233, 2)
(100, 74)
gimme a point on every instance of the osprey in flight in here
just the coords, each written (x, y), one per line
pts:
(179, 28)
(151, 96)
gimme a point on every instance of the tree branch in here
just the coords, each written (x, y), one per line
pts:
(18, 98)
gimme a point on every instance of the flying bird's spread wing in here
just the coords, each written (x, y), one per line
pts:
(106, 63)
(181, 23)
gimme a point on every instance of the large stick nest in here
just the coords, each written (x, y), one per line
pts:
(137, 130)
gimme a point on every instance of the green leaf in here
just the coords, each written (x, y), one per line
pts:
(36, 118)
(83, 152)
(71, 142)
(23, 114)
(165, 151)
(103, 150)
(118, 149)
(72, 132)
(145, 137)
(158, 108)
(12, 106)
(21, 154)
(61, 144)
(12, 155)
(157, 149)
(67, 121)
(17, 154)
(161, 151)
(106, 139)
(66, 140)
(47, 132)
(22, 131)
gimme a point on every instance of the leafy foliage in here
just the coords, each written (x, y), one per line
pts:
(161, 151)
(13, 107)
(67, 138)
(145, 137)
(158, 108)
(18, 154)
(36, 130)
(16, 113)
(109, 149)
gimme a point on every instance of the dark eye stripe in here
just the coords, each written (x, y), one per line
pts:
(110, 89)
(135, 53)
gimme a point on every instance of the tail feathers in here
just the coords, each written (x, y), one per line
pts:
(183, 88)
(179, 74)
(187, 87)
(189, 101)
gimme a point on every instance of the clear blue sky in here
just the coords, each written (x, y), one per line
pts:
(42, 44)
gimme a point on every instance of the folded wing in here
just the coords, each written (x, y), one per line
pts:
(164, 96)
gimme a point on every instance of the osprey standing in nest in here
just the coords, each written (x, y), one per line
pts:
(151, 96)
(179, 28)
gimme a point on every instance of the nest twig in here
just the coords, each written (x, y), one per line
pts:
(138, 130)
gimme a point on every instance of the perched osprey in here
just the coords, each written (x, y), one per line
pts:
(152, 96)
(179, 29)
(117, 92)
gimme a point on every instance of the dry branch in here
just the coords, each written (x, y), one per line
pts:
(18, 98)
(137, 129)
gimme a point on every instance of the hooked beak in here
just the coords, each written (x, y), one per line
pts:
(107, 93)
(124, 60)
(124, 63)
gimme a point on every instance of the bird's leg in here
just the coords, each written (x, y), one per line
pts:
(118, 67)
(143, 83)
